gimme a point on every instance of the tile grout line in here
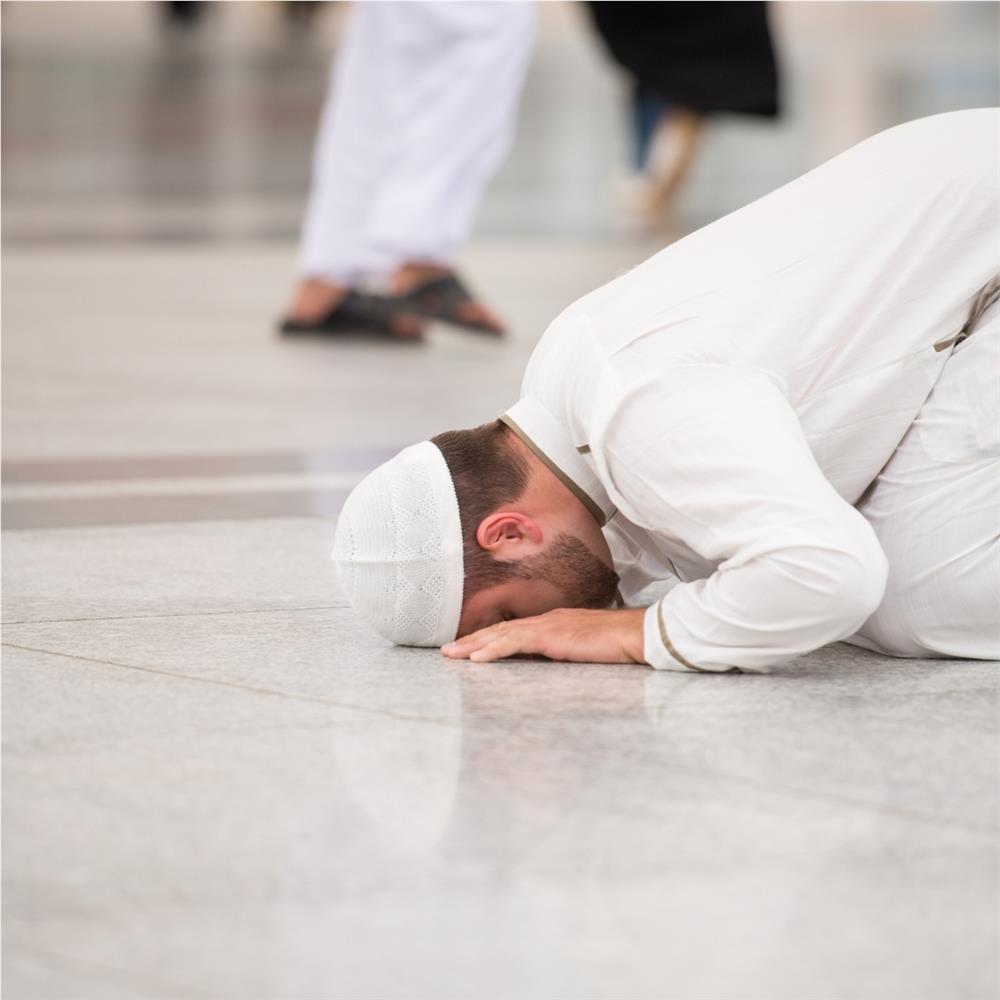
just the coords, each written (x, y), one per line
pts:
(22, 749)
(249, 689)
(180, 614)
(149, 487)
(115, 973)
(72, 471)
(773, 788)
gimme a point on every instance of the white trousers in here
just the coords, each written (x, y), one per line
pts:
(936, 510)
(421, 111)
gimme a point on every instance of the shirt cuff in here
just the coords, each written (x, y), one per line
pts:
(658, 650)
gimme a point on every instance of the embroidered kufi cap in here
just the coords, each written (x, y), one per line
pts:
(398, 549)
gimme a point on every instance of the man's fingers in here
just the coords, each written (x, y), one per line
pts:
(492, 643)
(496, 650)
(461, 648)
(573, 634)
(520, 635)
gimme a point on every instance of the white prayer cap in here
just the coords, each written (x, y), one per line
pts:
(398, 549)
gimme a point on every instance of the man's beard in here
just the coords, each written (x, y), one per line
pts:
(575, 571)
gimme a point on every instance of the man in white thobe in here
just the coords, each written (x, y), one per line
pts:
(786, 425)
(421, 111)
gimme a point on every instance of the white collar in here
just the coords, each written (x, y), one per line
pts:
(549, 439)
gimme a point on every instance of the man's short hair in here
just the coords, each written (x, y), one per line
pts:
(488, 473)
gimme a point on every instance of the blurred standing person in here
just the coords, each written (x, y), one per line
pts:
(687, 61)
(421, 112)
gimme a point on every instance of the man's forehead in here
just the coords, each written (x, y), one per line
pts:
(478, 612)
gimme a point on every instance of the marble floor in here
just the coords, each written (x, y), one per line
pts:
(218, 784)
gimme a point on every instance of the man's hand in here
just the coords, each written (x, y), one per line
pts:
(565, 634)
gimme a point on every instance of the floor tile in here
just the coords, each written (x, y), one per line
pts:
(576, 847)
(217, 782)
(168, 569)
(870, 745)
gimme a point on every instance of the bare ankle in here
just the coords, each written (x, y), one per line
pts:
(407, 276)
(314, 298)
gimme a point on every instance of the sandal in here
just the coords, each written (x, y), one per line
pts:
(440, 299)
(355, 315)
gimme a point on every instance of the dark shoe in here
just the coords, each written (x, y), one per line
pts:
(355, 315)
(441, 299)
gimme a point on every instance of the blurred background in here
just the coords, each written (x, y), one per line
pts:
(155, 175)
(156, 167)
(216, 781)
(122, 125)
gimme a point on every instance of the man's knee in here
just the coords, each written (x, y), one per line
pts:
(940, 611)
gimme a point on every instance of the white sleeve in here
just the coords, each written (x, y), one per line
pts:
(715, 457)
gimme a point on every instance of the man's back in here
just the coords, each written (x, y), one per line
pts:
(839, 287)
(782, 426)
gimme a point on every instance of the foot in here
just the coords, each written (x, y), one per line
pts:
(412, 275)
(315, 299)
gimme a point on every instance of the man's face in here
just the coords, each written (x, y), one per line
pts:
(565, 575)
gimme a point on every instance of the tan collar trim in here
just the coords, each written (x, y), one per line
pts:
(987, 296)
(592, 507)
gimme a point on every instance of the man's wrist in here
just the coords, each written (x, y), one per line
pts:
(634, 644)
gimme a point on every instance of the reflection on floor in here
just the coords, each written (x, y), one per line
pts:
(114, 129)
(216, 782)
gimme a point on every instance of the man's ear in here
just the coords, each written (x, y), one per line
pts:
(507, 534)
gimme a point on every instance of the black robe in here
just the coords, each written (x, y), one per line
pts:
(700, 56)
